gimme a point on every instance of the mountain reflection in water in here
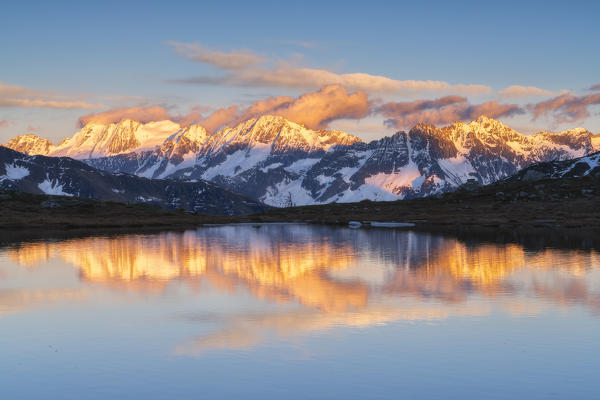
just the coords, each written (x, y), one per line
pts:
(335, 277)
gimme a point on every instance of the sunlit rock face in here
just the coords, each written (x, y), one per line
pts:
(283, 163)
(30, 144)
(98, 140)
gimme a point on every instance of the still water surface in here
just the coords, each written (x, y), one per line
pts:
(296, 311)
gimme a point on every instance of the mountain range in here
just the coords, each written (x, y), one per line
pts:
(68, 177)
(575, 168)
(282, 163)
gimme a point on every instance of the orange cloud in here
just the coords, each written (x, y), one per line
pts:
(141, 114)
(442, 111)
(248, 70)
(566, 107)
(314, 110)
(219, 118)
(317, 109)
(267, 105)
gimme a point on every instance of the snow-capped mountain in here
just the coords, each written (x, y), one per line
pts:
(68, 177)
(282, 163)
(583, 166)
(31, 144)
(98, 140)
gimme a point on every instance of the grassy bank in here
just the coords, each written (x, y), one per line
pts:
(567, 210)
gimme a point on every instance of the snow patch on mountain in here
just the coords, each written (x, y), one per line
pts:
(302, 165)
(458, 169)
(51, 187)
(15, 172)
(287, 193)
(238, 162)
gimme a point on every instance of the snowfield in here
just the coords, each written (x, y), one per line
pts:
(49, 187)
(14, 172)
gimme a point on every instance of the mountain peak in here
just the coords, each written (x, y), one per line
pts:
(30, 144)
(423, 127)
(488, 123)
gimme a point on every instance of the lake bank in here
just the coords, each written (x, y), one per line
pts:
(553, 212)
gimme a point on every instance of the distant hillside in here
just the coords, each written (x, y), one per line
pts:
(68, 177)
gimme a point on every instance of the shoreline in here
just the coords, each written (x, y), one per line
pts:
(563, 213)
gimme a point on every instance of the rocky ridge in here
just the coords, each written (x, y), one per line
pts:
(283, 164)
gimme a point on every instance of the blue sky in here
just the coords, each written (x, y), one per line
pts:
(109, 55)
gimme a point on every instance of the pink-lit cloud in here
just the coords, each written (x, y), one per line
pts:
(4, 123)
(229, 61)
(23, 97)
(440, 111)
(314, 110)
(566, 107)
(219, 118)
(595, 88)
(137, 113)
(403, 108)
(317, 109)
(517, 91)
(247, 70)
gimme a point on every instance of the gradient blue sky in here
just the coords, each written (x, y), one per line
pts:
(115, 54)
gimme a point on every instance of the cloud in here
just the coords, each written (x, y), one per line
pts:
(517, 91)
(38, 103)
(300, 43)
(219, 118)
(260, 107)
(440, 111)
(19, 96)
(595, 88)
(404, 108)
(247, 70)
(229, 61)
(4, 123)
(137, 113)
(566, 107)
(315, 110)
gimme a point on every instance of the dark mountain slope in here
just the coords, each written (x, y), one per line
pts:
(68, 177)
